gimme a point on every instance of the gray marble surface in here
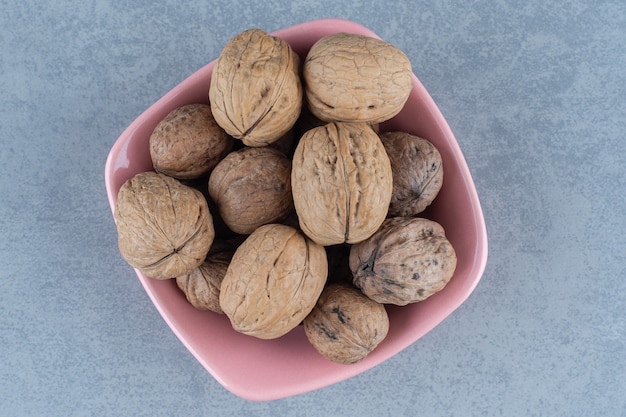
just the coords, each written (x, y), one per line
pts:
(535, 93)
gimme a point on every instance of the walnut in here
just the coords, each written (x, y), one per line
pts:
(202, 285)
(252, 187)
(188, 143)
(164, 228)
(356, 78)
(407, 260)
(341, 180)
(255, 90)
(345, 325)
(273, 281)
(417, 173)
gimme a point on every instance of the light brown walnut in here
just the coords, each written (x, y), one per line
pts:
(407, 260)
(273, 281)
(255, 90)
(164, 228)
(345, 326)
(341, 182)
(356, 78)
(417, 173)
(252, 187)
(188, 143)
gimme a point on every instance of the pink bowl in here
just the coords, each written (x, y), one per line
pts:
(270, 369)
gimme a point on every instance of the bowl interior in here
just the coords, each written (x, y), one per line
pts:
(269, 369)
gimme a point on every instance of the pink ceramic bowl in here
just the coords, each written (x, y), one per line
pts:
(270, 369)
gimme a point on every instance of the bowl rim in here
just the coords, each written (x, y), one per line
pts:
(480, 254)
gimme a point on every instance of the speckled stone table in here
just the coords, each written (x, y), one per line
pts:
(535, 94)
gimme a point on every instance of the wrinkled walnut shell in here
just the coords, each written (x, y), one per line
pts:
(345, 325)
(164, 227)
(188, 143)
(255, 91)
(356, 78)
(417, 173)
(252, 187)
(202, 285)
(407, 260)
(341, 182)
(273, 281)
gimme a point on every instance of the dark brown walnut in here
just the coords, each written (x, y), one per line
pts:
(252, 187)
(417, 173)
(341, 180)
(345, 326)
(407, 260)
(356, 78)
(164, 228)
(255, 91)
(273, 281)
(202, 285)
(188, 143)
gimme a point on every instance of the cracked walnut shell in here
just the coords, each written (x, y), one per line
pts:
(273, 281)
(356, 78)
(341, 181)
(164, 228)
(407, 260)
(345, 325)
(255, 90)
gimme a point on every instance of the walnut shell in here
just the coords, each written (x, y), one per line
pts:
(202, 285)
(164, 228)
(407, 260)
(417, 173)
(341, 182)
(252, 187)
(345, 325)
(356, 78)
(255, 90)
(188, 143)
(273, 281)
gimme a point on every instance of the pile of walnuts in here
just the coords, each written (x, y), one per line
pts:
(280, 203)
